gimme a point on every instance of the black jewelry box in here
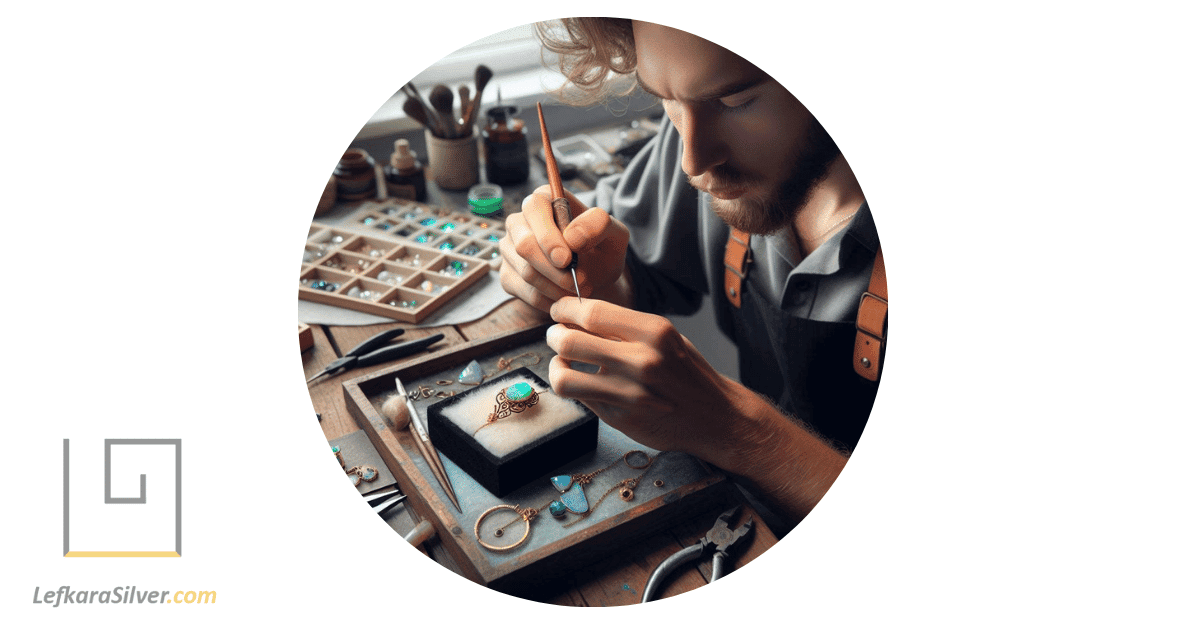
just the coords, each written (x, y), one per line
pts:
(530, 461)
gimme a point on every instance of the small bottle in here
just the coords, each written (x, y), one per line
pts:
(487, 201)
(355, 176)
(404, 176)
(507, 148)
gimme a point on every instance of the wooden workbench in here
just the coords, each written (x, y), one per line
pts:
(618, 579)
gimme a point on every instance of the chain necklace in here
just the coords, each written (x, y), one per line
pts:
(829, 230)
(624, 488)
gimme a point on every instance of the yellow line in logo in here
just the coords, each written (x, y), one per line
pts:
(122, 555)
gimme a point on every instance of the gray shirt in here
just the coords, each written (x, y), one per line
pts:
(677, 246)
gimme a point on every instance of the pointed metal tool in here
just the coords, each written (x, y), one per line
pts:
(426, 447)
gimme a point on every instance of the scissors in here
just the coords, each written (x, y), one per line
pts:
(368, 352)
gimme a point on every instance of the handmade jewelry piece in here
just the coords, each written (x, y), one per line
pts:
(557, 508)
(363, 472)
(422, 392)
(503, 364)
(571, 486)
(473, 374)
(337, 452)
(512, 400)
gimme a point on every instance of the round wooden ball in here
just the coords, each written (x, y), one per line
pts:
(395, 409)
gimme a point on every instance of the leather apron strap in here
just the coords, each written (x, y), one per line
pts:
(737, 262)
(871, 323)
(872, 305)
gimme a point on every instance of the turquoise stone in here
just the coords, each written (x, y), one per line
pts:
(368, 474)
(472, 375)
(557, 509)
(574, 499)
(561, 482)
(519, 392)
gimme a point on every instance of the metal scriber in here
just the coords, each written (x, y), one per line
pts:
(721, 540)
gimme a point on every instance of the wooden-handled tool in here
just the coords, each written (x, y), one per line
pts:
(560, 204)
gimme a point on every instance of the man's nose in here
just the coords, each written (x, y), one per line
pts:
(703, 144)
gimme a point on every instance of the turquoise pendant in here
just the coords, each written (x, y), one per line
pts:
(519, 392)
(557, 509)
(573, 498)
(561, 482)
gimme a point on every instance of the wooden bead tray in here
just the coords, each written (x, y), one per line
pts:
(386, 260)
(434, 227)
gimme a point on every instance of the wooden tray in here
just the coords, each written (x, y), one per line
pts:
(552, 550)
(397, 258)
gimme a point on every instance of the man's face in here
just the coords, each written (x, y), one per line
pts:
(747, 141)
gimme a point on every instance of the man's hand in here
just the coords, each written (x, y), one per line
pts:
(654, 386)
(535, 253)
(652, 383)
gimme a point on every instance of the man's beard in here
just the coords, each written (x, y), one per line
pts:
(760, 213)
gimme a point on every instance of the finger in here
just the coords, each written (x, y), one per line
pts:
(521, 249)
(600, 387)
(593, 228)
(576, 345)
(607, 320)
(539, 214)
(521, 269)
(514, 285)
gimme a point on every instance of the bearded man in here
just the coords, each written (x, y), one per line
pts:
(742, 195)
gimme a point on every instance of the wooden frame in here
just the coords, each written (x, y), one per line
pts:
(523, 571)
(430, 255)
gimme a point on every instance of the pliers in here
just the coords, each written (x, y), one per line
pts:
(721, 540)
(368, 352)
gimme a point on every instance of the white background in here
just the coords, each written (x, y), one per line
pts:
(1031, 169)
(100, 527)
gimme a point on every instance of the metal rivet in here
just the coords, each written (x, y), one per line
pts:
(866, 362)
(733, 292)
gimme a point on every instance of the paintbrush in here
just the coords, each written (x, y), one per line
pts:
(442, 101)
(430, 117)
(483, 74)
(560, 204)
(414, 110)
(464, 110)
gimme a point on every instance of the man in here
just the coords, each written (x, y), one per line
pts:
(740, 156)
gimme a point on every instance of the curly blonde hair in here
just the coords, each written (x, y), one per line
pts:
(591, 50)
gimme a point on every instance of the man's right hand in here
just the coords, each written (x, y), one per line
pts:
(536, 254)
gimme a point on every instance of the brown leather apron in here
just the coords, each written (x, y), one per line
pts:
(814, 378)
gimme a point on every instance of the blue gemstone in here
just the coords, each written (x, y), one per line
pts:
(519, 391)
(561, 482)
(557, 509)
(472, 375)
(575, 500)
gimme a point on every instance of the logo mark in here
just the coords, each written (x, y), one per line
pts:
(158, 508)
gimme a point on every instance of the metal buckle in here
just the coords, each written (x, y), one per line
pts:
(858, 319)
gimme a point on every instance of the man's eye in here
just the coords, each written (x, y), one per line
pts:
(736, 103)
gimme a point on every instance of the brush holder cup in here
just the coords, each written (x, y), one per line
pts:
(453, 164)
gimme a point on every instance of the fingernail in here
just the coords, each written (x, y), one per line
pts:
(560, 257)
